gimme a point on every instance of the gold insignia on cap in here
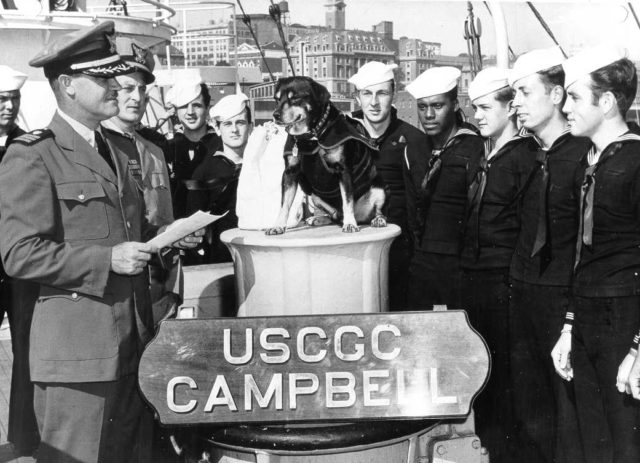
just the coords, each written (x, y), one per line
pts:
(112, 43)
(139, 54)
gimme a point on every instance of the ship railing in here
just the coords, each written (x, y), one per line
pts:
(150, 10)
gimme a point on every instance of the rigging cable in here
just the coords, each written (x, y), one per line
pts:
(247, 20)
(546, 27)
(276, 14)
(633, 12)
(472, 33)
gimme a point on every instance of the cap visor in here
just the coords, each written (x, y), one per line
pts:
(149, 78)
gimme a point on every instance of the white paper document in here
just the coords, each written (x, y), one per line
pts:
(184, 227)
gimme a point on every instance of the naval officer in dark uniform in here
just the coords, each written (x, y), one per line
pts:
(401, 162)
(72, 221)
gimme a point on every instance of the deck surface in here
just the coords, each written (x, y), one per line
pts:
(6, 358)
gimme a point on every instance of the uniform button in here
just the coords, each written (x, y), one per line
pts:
(81, 197)
(128, 224)
(74, 295)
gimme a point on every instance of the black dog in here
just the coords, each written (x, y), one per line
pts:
(327, 157)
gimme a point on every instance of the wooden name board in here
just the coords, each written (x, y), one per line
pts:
(314, 368)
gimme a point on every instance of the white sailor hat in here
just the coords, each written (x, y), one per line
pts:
(434, 81)
(535, 61)
(372, 73)
(487, 81)
(10, 79)
(186, 90)
(229, 106)
(591, 59)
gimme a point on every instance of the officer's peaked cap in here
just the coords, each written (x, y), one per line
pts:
(137, 56)
(91, 51)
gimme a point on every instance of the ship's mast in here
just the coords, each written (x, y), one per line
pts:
(472, 33)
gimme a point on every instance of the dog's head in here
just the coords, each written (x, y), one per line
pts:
(300, 103)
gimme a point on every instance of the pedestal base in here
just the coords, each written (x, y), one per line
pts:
(311, 270)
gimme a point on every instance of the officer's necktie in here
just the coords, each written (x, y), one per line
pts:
(542, 231)
(103, 150)
(474, 197)
(585, 231)
(434, 166)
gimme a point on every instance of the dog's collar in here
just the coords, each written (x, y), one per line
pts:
(320, 126)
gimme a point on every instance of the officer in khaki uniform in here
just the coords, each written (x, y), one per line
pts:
(166, 279)
(132, 101)
(72, 220)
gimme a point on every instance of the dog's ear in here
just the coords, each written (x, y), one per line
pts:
(320, 92)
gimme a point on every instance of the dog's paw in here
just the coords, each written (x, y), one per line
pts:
(274, 231)
(318, 220)
(379, 221)
(350, 228)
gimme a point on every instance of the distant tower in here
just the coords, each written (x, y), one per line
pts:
(335, 14)
(385, 29)
(284, 9)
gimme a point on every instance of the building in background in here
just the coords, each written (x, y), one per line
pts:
(248, 55)
(263, 27)
(414, 57)
(335, 15)
(331, 57)
(206, 45)
(328, 53)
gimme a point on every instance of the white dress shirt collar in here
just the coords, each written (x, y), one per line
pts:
(84, 131)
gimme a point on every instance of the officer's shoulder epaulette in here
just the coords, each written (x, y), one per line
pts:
(33, 137)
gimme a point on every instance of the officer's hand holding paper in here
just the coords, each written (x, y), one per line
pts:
(185, 233)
